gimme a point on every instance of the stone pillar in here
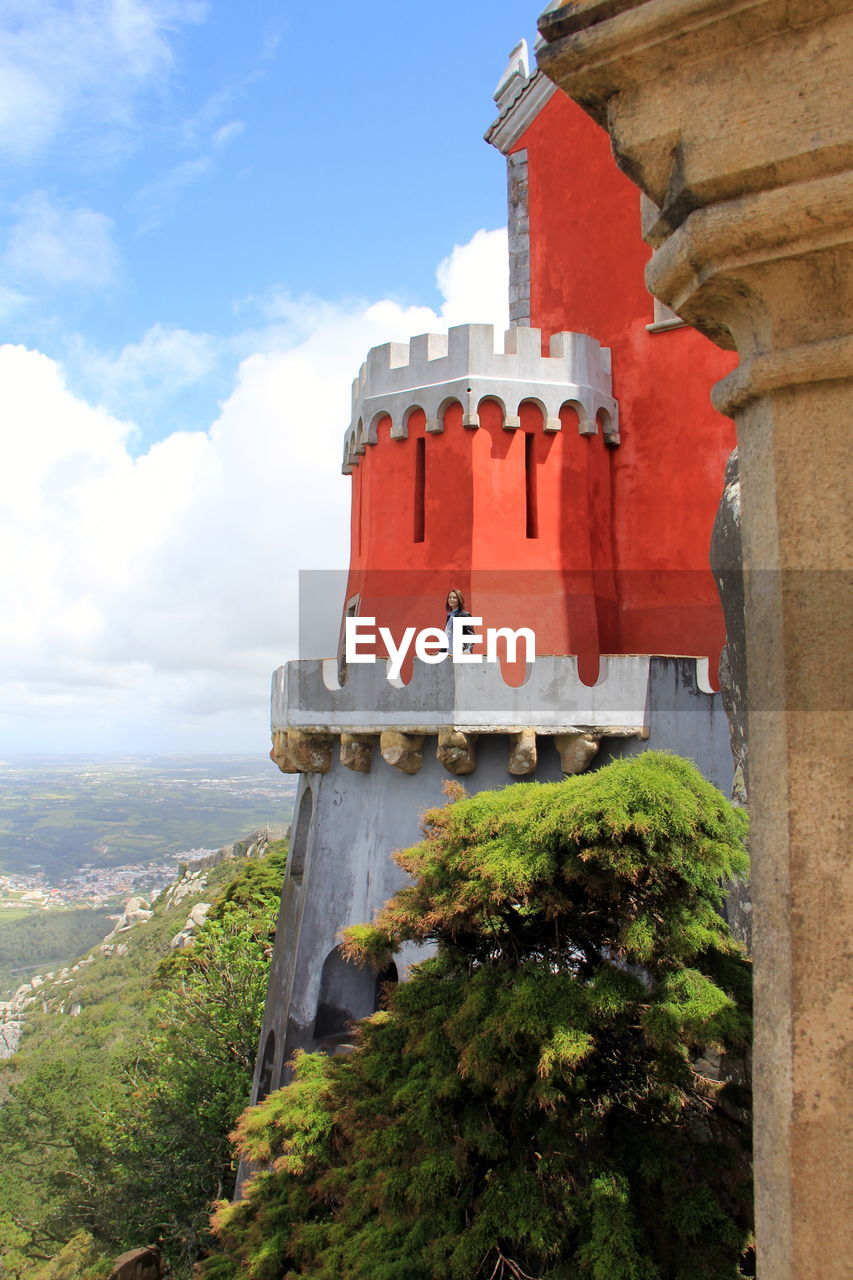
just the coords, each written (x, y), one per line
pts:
(735, 118)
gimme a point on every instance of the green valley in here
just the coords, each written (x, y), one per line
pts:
(32, 941)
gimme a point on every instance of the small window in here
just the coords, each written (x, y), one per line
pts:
(351, 611)
(385, 979)
(530, 497)
(420, 489)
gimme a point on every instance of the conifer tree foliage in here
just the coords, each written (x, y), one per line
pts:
(530, 1103)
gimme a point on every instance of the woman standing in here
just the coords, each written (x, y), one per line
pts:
(455, 607)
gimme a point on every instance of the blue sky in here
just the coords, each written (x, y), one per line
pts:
(180, 164)
(208, 213)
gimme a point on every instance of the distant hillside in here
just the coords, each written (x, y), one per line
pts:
(37, 940)
(134, 1064)
(57, 814)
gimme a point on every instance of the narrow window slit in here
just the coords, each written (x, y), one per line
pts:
(532, 514)
(420, 488)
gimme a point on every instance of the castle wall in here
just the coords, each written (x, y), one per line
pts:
(357, 821)
(587, 263)
(347, 825)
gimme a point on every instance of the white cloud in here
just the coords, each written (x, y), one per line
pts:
(80, 63)
(144, 375)
(474, 281)
(60, 245)
(148, 598)
(228, 133)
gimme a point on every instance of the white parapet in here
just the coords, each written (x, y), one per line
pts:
(306, 696)
(435, 370)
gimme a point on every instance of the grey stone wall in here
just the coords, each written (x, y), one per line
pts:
(348, 824)
(518, 226)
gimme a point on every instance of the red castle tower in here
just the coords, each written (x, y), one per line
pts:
(569, 479)
(564, 477)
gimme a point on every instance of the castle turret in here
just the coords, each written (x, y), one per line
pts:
(495, 465)
(486, 470)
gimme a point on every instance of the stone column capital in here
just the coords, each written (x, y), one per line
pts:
(735, 118)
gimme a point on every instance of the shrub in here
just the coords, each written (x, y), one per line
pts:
(528, 1105)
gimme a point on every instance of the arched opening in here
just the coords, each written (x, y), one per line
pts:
(574, 418)
(267, 1061)
(496, 400)
(452, 407)
(300, 836)
(347, 993)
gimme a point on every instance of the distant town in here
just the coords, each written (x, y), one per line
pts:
(82, 832)
(92, 886)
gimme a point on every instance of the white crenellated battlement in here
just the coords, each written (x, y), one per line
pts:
(307, 696)
(434, 370)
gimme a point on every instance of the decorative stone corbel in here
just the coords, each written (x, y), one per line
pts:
(402, 750)
(523, 755)
(357, 751)
(310, 752)
(575, 750)
(279, 753)
(456, 751)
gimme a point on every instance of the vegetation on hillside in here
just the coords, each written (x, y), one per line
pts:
(538, 1099)
(113, 1124)
(31, 940)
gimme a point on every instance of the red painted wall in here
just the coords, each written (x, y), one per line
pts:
(587, 274)
(616, 557)
(476, 529)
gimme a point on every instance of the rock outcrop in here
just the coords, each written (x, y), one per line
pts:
(10, 1037)
(136, 911)
(195, 920)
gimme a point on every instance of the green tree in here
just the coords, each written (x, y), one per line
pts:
(15, 1241)
(114, 1124)
(171, 1156)
(531, 1104)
